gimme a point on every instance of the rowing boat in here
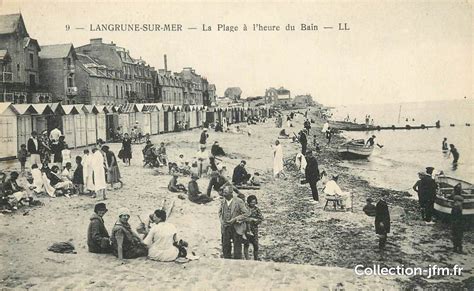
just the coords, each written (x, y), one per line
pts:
(355, 149)
(444, 197)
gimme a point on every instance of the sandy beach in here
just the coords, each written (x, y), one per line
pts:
(302, 246)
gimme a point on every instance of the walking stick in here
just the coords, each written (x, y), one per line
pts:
(171, 209)
(352, 202)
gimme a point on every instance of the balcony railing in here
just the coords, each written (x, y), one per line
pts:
(71, 91)
(6, 77)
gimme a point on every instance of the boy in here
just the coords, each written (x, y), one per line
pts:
(382, 220)
(22, 154)
(457, 223)
(78, 177)
(66, 153)
(66, 173)
(369, 208)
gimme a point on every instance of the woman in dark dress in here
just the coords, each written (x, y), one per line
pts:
(113, 173)
(44, 148)
(126, 149)
(57, 149)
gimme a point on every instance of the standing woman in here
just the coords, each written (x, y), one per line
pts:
(57, 148)
(44, 148)
(127, 149)
(87, 171)
(98, 172)
(113, 173)
(277, 159)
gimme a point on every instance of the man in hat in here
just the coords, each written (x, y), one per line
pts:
(97, 235)
(426, 189)
(312, 174)
(240, 175)
(232, 213)
(303, 141)
(194, 195)
(33, 149)
(217, 150)
(382, 220)
(371, 141)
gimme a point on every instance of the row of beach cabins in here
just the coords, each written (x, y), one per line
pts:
(82, 124)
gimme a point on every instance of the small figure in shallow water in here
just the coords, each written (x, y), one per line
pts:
(454, 151)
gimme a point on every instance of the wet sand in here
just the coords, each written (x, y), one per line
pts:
(294, 231)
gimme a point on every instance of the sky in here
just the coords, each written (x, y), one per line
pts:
(394, 51)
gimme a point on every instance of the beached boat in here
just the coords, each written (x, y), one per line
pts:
(355, 149)
(444, 198)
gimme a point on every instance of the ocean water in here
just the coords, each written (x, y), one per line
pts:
(406, 152)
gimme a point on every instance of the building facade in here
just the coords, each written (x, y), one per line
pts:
(20, 82)
(58, 70)
(280, 96)
(192, 86)
(168, 88)
(97, 83)
(135, 73)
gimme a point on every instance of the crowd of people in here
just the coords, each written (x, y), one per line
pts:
(52, 172)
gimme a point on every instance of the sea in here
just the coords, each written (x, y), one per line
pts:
(407, 152)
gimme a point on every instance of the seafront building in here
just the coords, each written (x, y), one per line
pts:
(19, 59)
(58, 72)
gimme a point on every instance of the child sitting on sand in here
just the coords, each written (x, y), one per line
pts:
(173, 185)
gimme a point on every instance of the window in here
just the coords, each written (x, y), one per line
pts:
(69, 62)
(70, 80)
(18, 70)
(32, 60)
(121, 91)
(108, 90)
(32, 80)
(116, 91)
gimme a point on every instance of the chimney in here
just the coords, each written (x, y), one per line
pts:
(166, 63)
(96, 40)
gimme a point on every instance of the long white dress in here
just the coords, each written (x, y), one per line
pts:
(300, 162)
(325, 127)
(87, 172)
(98, 171)
(160, 242)
(277, 159)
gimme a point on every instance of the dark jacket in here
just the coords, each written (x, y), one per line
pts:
(303, 139)
(457, 220)
(240, 175)
(31, 147)
(427, 189)
(97, 236)
(312, 170)
(382, 215)
(203, 138)
(78, 177)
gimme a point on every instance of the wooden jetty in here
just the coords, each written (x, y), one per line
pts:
(349, 126)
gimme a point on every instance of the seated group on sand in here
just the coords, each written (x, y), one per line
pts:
(158, 240)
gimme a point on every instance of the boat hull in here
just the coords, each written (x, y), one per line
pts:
(355, 150)
(444, 201)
